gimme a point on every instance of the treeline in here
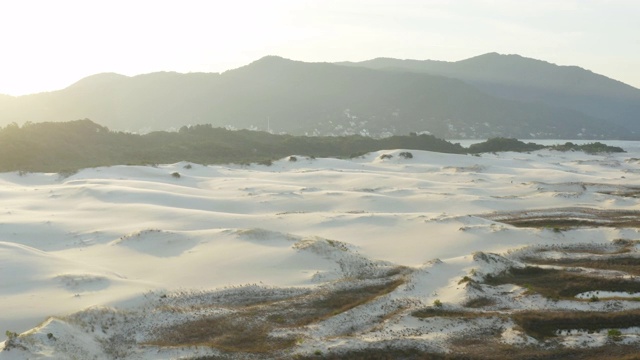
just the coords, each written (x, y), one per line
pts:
(69, 146)
(506, 144)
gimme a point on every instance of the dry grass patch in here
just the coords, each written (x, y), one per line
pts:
(630, 265)
(440, 312)
(617, 246)
(543, 324)
(229, 333)
(631, 192)
(388, 353)
(486, 349)
(567, 218)
(556, 284)
(493, 350)
(480, 302)
(333, 303)
(250, 329)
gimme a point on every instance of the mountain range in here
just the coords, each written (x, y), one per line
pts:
(486, 96)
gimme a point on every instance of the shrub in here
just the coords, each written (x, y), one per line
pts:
(406, 155)
(176, 175)
(614, 334)
(293, 158)
(503, 144)
(386, 156)
(437, 303)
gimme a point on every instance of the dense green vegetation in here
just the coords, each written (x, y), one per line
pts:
(503, 144)
(66, 147)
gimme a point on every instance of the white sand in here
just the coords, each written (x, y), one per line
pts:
(106, 236)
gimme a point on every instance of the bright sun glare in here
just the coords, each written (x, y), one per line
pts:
(48, 45)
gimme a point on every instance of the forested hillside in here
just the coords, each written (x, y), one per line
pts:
(66, 147)
(62, 147)
(529, 80)
(320, 99)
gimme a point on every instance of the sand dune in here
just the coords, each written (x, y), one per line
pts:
(106, 238)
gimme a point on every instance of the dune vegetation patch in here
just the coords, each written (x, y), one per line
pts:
(567, 218)
(270, 326)
(617, 246)
(430, 312)
(235, 333)
(479, 350)
(489, 349)
(630, 192)
(480, 302)
(630, 265)
(560, 283)
(543, 323)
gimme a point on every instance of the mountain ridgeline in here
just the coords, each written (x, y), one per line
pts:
(528, 80)
(483, 97)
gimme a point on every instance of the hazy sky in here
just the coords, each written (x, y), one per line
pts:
(48, 45)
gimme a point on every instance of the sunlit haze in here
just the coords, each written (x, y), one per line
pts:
(48, 45)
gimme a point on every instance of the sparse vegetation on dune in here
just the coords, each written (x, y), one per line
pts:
(482, 348)
(251, 328)
(629, 265)
(563, 219)
(543, 324)
(561, 284)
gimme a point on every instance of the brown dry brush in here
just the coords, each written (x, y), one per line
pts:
(556, 284)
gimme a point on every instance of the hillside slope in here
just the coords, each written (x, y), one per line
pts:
(524, 79)
(281, 95)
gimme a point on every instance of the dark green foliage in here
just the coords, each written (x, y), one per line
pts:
(70, 146)
(67, 147)
(614, 334)
(503, 144)
(591, 148)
